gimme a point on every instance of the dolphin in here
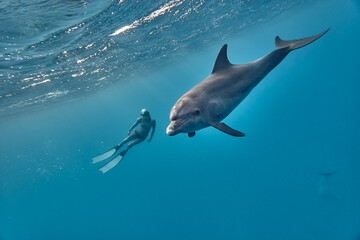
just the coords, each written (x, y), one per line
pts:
(214, 98)
(323, 185)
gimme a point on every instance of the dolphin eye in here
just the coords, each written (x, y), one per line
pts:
(197, 112)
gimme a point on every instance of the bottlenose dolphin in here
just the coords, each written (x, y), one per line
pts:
(323, 185)
(214, 98)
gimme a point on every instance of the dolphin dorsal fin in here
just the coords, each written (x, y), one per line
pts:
(222, 60)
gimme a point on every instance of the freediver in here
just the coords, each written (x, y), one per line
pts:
(134, 137)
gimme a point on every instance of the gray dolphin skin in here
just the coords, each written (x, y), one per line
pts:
(214, 98)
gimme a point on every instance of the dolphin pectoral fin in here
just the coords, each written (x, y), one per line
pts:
(191, 134)
(226, 129)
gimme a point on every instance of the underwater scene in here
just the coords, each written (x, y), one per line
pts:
(174, 119)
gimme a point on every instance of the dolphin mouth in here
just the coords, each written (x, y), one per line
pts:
(175, 126)
(170, 131)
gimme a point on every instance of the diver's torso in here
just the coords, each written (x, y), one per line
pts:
(145, 126)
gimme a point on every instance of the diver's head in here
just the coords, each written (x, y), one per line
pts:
(145, 113)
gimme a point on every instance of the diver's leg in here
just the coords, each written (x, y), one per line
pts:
(127, 139)
(130, 145)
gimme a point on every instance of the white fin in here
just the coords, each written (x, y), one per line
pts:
(104, 156)
(111, 164)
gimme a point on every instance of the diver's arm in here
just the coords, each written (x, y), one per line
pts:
(153, 125)
(134, 125)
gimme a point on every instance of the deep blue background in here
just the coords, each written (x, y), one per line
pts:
(302, 119)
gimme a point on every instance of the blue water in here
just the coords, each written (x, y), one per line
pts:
(74, 76)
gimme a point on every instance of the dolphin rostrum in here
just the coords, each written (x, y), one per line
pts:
(214, 98)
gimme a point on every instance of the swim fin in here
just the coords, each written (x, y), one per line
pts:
(110, 165)
(104, 156)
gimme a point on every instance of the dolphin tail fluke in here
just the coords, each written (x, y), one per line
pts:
(298, 43)
(326, 174)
